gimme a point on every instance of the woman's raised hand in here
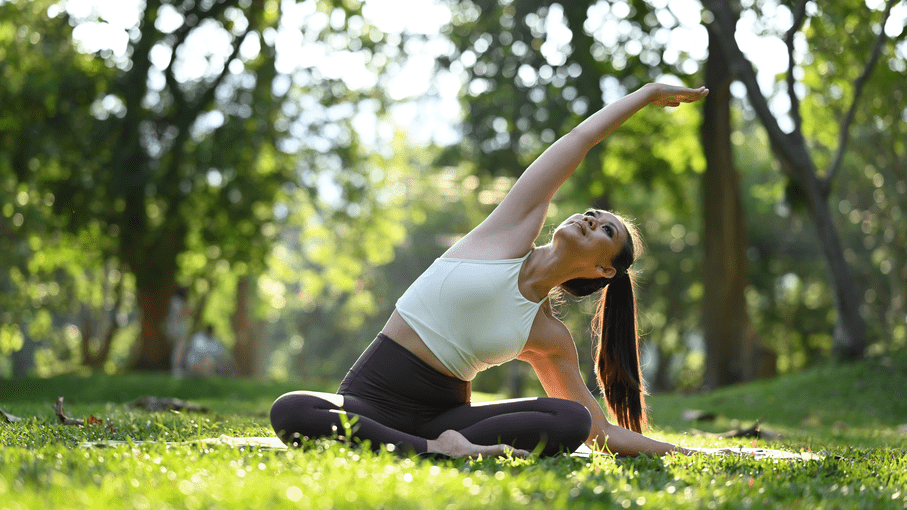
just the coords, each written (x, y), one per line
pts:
(664, 95)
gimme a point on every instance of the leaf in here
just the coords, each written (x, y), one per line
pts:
(58, 409)
(8, 417)
(755, 431)
(94, 421)
(166, 404)
(697, 415)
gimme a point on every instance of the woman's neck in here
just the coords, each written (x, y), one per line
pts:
(546, 268)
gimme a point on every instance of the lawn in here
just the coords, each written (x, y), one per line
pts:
(854, 415)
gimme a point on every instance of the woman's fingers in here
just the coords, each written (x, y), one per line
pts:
(516, 452)
(501, 450)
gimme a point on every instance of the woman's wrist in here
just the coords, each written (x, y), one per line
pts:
(649, 90)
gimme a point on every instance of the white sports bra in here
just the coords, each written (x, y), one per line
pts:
(470, 313)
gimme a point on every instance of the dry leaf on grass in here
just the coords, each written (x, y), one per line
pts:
(754, 431)
(58, 409)
(8, 417)
(166, 404)
(697, 415)
(65, 420)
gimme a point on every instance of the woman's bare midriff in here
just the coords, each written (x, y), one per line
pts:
(399, 331)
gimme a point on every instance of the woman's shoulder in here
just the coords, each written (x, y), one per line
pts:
(495, 239)
(476, 246)
(548, 336)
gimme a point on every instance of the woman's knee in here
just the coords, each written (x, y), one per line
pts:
(583, 419)
(301, 413)
(573, 416)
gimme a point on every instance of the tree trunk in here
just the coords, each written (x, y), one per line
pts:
(243, 349)
(154, 346)
(662, 381)
(110, 326)
(850, 327)
(261, 349)
(793, 152)
(23, 360)
(515, 380)
(733, 353)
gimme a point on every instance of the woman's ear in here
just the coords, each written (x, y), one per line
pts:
(607, 272)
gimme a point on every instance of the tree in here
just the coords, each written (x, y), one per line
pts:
(798, 159)
(44, 108)
(733, 352)
(177, 154)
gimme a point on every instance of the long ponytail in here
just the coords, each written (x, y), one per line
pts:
(616, 355)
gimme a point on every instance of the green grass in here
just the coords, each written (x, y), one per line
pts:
(853, 412)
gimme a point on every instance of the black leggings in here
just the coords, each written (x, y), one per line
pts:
(393, 397)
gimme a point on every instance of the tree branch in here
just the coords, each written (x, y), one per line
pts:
(113, 324)
(191, 18)
(190, 113)
(799, 18)
(787, 146)
(86, 334)
(844, 128)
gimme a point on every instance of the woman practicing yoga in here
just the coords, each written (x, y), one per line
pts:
(484, 302)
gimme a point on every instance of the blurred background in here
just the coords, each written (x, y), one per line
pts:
(282, 170)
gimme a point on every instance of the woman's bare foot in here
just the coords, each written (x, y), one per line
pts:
(453, 444)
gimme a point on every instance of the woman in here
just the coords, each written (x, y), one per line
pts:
(484, 302)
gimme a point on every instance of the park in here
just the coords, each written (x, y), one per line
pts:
(205, 205)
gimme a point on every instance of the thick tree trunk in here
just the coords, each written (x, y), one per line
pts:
(733, 353)
(792, 150)
(154, 346)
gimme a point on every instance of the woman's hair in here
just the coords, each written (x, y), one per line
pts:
(617, 352)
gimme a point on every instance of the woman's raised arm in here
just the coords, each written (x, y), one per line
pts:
(546, 174)
(522, 212)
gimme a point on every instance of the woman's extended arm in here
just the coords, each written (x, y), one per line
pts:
(555, 361)
(518, 220)
(546, 174)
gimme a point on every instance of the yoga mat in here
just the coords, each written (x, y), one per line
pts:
(268, 443)
(758, 453)
(272, 443)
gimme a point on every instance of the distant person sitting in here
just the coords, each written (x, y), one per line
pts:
(177, 330)
(207, 356)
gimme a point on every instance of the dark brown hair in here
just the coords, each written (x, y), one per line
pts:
(617, 351)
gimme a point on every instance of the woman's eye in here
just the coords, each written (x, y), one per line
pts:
(608, 230)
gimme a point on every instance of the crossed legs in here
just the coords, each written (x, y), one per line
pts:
(548, 425)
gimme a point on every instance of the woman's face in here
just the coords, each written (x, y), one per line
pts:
(595, 235)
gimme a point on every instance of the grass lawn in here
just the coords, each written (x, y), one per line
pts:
(855, 413)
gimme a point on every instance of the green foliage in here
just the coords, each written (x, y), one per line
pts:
(871, 195)
(173, 171)
(532, 70)
(824, 408)
(526, 85)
